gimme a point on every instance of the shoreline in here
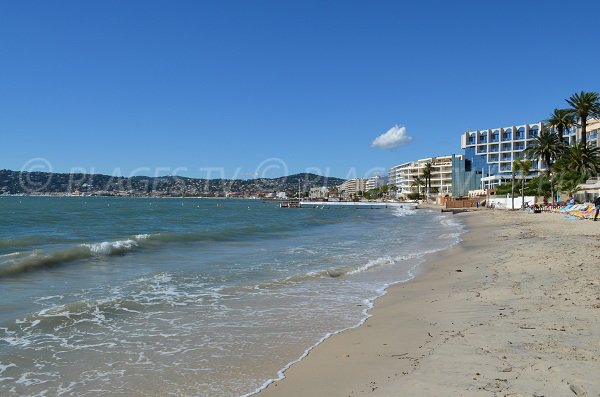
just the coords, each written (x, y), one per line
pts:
(412, 274)
(447, 331)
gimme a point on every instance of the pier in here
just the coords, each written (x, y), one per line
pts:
(357, 204)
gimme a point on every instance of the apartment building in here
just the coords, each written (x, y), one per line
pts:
(352, 187)
(375, 182)
(403, 175)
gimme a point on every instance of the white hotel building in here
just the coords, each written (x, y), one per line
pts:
(403, 175)
(375, 181)
(492, 152)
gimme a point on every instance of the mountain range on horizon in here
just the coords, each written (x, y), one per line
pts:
(37, 183)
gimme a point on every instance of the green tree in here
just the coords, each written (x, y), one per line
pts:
(583, 105)
(417, 182)
(570, 185)
(562, 120)
(538, 186)
(384, 189)
(333, 192)
(523, 166)
(581, 159)
(513, 170)
(549, 148)
(427, 171)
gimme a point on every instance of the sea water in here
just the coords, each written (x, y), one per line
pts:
(188, 297)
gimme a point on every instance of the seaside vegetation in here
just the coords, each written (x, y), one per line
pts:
(566, 165)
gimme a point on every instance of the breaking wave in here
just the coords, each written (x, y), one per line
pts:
(22, 262)
(16, 263)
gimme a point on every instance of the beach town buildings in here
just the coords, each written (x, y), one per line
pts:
(403, 175)
(487, 160)
(491, 152)
(352, 187)
(375, 182)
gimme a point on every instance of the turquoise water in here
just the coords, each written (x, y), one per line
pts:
(187, 297)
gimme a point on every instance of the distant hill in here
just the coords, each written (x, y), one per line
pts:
(16, 182)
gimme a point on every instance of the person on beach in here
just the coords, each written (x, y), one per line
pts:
(597, 204)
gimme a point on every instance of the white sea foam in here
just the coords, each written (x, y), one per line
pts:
(386, 260)
(448, 236)
(399, 211)
(10, 255)
(4, 367)
(110, 247)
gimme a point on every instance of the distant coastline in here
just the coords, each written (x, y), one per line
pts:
(21, 183)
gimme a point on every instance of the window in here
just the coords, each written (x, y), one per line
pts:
(521, 133)
(533, 132)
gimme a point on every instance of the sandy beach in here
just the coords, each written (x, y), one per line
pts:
(513, 310)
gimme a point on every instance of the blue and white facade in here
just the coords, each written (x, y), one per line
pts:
(492, 152)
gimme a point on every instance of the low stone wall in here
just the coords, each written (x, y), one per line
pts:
(467, 202)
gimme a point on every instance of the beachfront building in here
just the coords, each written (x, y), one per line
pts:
(464, 178)
(403, 175)
(492, 152)
(375, 182)
(592, 132)
(352, 188)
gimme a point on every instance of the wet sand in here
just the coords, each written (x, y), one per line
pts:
(513, 310)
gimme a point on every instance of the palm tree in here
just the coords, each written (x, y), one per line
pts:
(562, 120)
(523, 166)
(514, 168)
(570, 186)
(418, 182)
(583, 105)
(581, 159)
(549, 148)
(427, 170)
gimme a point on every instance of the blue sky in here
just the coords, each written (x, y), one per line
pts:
(240, 88)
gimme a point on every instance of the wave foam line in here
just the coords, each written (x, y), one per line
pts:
(19, 263)
(370, 303)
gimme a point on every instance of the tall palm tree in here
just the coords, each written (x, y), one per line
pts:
(513, 170)
(524, 166)
(549, 148)
(417, 182)
(562, 120)
(581, 159)
(583, 105)
(427, 171)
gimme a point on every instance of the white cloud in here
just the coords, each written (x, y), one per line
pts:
(393, 138)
